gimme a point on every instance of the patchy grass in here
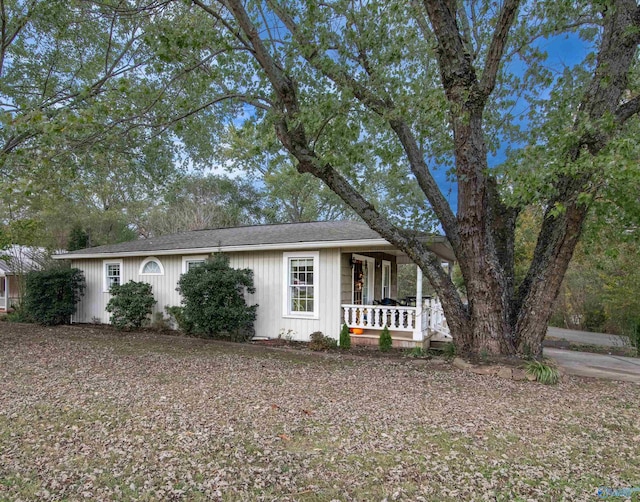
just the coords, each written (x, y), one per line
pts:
(89, 413)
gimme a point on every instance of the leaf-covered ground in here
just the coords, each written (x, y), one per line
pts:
(86, 413)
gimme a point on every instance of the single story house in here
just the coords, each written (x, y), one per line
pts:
(308, 277)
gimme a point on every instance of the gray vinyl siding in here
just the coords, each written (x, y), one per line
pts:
(268, 272)
(92, 307)
(268, 280)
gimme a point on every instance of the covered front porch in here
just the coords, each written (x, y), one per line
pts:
(409, 326)
(371, 299)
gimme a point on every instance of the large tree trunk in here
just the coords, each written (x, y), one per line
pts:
(502, 321)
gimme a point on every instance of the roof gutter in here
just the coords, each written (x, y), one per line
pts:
(282, 246)
(227, 249)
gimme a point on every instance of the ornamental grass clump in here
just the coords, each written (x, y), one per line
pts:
(544, 372)
(449, 350)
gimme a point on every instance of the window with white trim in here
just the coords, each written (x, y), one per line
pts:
(194, 263)
(188, 262)
(301, 284)
(112, 274)
(151, 266)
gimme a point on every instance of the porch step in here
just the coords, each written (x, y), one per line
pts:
(398, 342)
(438, 344)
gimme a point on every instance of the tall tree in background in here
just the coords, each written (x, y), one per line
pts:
(295, 196)
(74, 148)
(196, 202)
(289, 196)
(600, 289)
(94, 119)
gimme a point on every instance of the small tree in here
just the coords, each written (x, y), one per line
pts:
(51, 295)
(345, 337)
(385, 342)
(130, 304)
(213, 299)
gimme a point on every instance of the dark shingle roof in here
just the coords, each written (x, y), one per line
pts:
(290, 233)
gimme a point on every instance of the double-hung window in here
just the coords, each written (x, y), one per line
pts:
(112, 273)
(301, 285)
(189, 262)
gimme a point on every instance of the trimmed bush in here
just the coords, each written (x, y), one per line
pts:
(318, 341)
(213, 300)
(385, 342)
(345, 337)
(130, 304)
(51, 295)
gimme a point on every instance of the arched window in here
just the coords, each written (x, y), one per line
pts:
(151, 266)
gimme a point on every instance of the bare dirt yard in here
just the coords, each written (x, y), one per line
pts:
(88, 413)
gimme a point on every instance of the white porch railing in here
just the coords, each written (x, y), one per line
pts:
(3, 302)
(437, 323)
(428, 322)
(379, 316)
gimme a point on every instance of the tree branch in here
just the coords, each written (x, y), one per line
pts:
(224, 22)
(383, 107)
(423, 24)
(456, 68)
(498, 44)
(627, 110)
(8, 38)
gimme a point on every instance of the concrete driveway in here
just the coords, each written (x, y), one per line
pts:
(587, 337)
(610, 367)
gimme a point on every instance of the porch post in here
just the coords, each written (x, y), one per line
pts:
(6, 293)
(417, 332)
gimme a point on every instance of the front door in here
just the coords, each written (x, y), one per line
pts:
(363, 277)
